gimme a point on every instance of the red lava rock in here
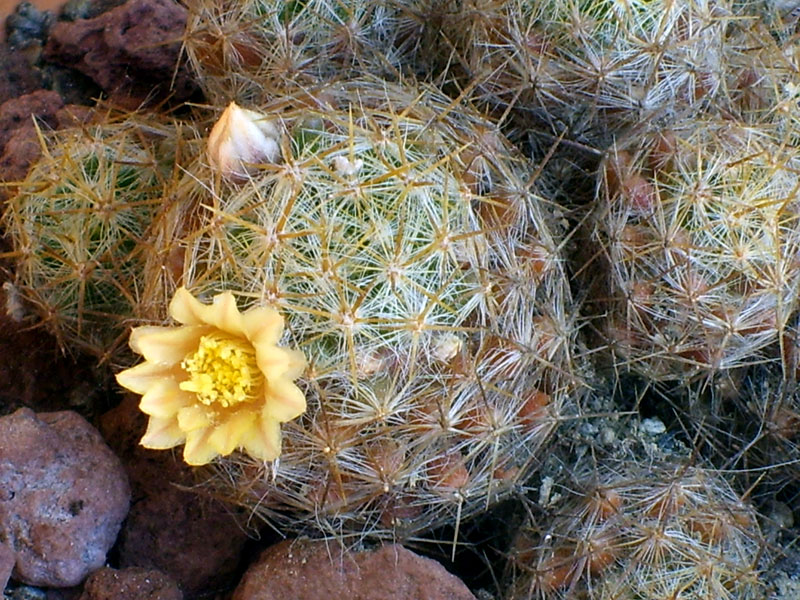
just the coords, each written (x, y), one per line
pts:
(194, 539)
(64, 496)
(130, 584)
(17, 75)
(19, 144)
(131, 51)
(17, 112)
(309, 570)
(33, 373)
(7, 560)
(21, 151)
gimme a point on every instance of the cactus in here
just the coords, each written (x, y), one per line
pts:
(591, 69)
(654, 531)
(763, 77)
(250, 51)
(422, 278)
(698, 227)
(766, 432)
(79, 224)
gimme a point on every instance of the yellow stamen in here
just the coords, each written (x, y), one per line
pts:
(222, 371)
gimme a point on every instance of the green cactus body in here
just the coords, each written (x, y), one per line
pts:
(422, 279)
(660, 531)
(700, 229)
(78, 224)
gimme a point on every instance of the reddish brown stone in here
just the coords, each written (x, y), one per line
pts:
(194, 539)
(33, 373)
(7, 559)
(21, 151)
(309, 570)
(130, 584)
(131, 51)
(19, 143)
(64, 496)
(18, 112)
(18, 76)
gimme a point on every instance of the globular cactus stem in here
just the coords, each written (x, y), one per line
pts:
(422, 277)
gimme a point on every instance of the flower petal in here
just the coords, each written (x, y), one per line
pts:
(166, 345)
(222, 313)
(162, 434)
(225, 315)
(227, 436)
(186, 309)
(197, 450)
(297, 364)
(140, 378)
(164, 399)
(284, 400)
(272, 361)
(262, 325)
(263, 440)
(193, 417)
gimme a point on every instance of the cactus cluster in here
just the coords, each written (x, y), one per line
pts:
(419, 261)
(422, 278)
(647, 531)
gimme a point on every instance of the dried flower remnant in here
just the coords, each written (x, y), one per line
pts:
(240, 139)
(217, 382)
(446, 347)
(344, 166)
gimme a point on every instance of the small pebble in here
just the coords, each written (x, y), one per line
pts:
(609, 436)
(653, 426)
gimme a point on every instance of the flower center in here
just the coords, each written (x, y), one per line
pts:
(222, 371)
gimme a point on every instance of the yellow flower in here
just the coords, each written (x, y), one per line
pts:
(216, 383)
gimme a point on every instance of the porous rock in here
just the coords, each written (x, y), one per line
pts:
(181, 533)
(6, 565)
(64, 496)
(308, 570)
(194, 539)
(19, 112)
(19, 144)
(130, 584)
(33, 373)
(18, 75)
(131, 51)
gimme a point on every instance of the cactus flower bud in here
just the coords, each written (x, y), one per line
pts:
(240, 138)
